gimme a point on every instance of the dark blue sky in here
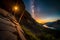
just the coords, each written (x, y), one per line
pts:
(44, 9)
(28, 5)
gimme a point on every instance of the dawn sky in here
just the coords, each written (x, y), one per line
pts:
(44, 10)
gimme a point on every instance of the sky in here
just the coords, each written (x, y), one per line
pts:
(43, 10)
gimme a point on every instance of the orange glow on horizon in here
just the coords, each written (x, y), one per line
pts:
(43, 21)
(40, 21)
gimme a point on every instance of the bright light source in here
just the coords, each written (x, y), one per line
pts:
(15, 8)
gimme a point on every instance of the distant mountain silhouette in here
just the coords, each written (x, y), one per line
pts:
(55, 24)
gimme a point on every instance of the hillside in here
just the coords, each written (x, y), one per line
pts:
(36, 31)
(32, 29)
